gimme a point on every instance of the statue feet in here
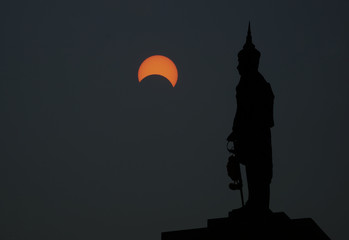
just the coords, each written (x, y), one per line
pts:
(249, 212)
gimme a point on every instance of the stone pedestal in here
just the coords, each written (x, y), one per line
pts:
(276, 226)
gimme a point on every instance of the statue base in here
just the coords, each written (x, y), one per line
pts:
(274, 226)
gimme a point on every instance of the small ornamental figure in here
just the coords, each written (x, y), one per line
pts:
(251, 134)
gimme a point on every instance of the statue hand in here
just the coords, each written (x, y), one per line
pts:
(233, 168)
(231, 137)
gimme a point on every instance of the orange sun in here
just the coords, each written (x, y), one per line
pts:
(158, 65)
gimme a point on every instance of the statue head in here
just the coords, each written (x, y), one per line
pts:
(248, 56)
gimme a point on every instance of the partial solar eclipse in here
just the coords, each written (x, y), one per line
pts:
(158, 65)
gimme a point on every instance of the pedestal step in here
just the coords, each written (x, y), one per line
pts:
(276, 226)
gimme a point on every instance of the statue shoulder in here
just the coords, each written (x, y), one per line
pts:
(266, 86)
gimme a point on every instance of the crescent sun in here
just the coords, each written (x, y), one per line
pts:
(158, 65)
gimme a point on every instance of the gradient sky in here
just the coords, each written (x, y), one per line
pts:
(88, 152)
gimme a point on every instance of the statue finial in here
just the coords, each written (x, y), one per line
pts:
(249, 51)
(249, 30)
(248, 42)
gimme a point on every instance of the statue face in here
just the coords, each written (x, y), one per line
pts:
(241, 68)
(246, 67)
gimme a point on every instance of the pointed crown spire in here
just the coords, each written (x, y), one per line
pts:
(249, 52)
(249, 37)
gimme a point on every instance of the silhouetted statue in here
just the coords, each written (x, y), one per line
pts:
(251, 130)
(252, 147)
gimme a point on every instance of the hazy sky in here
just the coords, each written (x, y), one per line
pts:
(89, 153)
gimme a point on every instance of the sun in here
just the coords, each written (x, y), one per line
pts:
(158, 65)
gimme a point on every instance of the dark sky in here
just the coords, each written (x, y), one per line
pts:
(87, 152)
